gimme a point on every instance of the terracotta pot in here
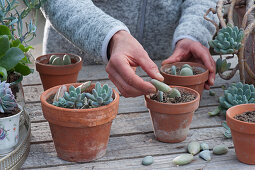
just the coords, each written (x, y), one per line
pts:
(52, 75)
(195, 82)
(171, 122)
(243, 133)
(79, 135)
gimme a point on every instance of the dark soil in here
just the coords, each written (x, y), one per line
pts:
(178, 70)
(14, 112)
(11, 78)
(246, 117)
(185, 97)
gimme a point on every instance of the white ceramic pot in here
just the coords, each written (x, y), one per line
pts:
(9, 132)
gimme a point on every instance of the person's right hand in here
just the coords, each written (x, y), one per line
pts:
(126, 53)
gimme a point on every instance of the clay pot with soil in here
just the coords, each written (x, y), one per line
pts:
(56, 69)
(171, 110)
(80, 121)
(178, 74)
(241, 120)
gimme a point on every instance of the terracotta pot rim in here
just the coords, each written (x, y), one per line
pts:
(177, 104)
(231, 118)
(37, 61)
(203, 74)
(73, 111)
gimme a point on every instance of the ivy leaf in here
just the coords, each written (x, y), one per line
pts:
(22, 69)
(12, 58)
(3, 73)
(4, 44)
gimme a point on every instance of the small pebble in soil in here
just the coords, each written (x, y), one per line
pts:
(211, 93)
(147, 160)
(246, 117)
(193, 147)
(183, 159)
(206, 155)
(220, 149)
(204, 146)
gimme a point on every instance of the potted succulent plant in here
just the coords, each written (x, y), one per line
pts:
(57, 69)
(80, 119)
(187, 74)
(14, 48)
(9, 119)
(171, 110)
(241, 120)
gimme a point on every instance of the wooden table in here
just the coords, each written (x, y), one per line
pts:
(132, 135)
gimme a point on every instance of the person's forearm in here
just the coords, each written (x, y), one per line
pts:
(83, 24)
(192, 24)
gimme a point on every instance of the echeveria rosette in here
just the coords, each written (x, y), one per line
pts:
(237, 93)
(7, 99)
(72, 99)
(228, 40)
(100, 95)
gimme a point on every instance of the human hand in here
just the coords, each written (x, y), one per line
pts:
(127, 54)
(189, 50)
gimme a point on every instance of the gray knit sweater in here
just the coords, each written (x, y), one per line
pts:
(85, 27)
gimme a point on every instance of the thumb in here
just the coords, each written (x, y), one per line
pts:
(175, 57)
(150, 67)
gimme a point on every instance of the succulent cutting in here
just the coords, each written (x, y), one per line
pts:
(164, 88)
(65, 60)
(186, 70)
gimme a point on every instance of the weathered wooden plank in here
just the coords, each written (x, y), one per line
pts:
(227, 161)
(123, 147)
(133, 123)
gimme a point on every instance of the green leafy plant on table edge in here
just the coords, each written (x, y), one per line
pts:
(231, 40)
(14, 57)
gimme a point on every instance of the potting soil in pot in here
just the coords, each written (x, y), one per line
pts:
(13, 112)
(246, 117)
(196, 70)
(185, 97)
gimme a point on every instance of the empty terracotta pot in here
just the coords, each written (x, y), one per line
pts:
(79, 135)
(243, 133)
(53, 75)
(171, 122)
(195, 82)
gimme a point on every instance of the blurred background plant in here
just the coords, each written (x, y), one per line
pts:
(15, 35)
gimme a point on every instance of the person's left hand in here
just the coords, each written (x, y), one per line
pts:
(189, 50)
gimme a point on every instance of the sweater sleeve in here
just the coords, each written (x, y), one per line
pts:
(84, 24)
(192, 24)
